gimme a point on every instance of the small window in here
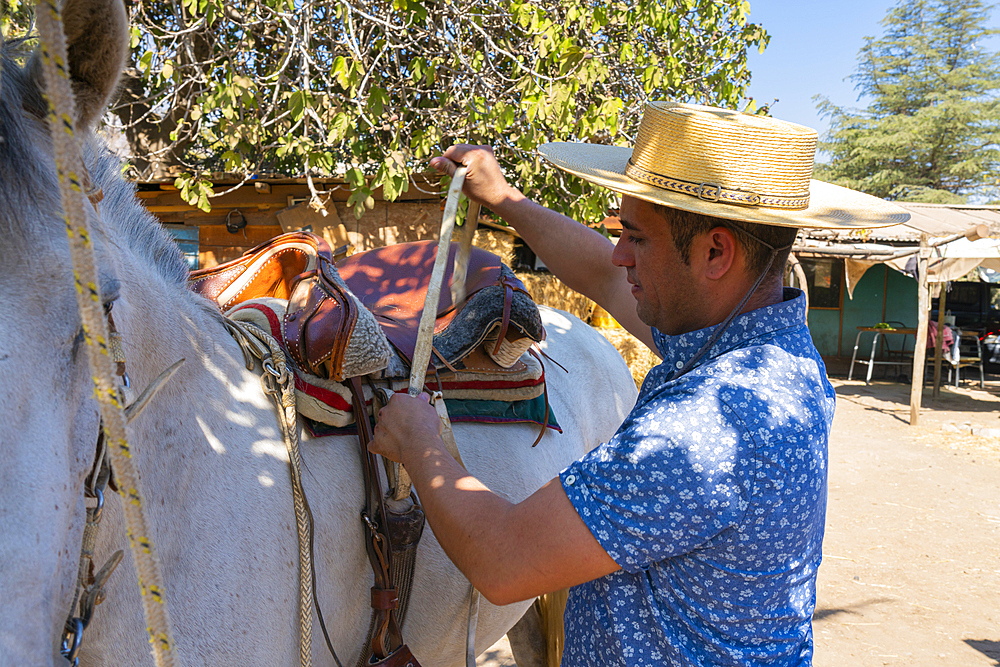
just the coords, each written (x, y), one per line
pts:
(823, 278)
(187, 240)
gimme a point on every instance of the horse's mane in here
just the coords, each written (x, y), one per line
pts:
(28, 182)
(139, 229)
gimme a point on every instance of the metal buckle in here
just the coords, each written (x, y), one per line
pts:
(372, 528)
(72, 635)
(712, 197)
(98, 510)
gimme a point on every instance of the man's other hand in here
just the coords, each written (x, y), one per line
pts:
(407, 426)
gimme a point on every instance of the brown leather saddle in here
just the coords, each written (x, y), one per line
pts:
(390, 282)
(297, 266)
(323, 310)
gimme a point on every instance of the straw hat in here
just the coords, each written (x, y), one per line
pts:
(725, 164)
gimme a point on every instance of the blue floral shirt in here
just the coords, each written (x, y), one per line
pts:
(712, 498)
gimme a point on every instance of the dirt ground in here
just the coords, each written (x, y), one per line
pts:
(911, 567)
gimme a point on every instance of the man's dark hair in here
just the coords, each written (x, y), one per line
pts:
(686, 225)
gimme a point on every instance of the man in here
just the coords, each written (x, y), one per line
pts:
(693, 536)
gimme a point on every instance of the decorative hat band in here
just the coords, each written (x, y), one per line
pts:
(712, 192)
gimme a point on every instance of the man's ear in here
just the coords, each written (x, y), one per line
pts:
(720, 251)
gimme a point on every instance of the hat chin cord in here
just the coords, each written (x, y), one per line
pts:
(739, 307)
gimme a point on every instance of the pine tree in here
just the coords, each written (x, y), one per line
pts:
(931, 129)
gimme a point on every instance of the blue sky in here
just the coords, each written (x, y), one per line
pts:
(813, 50)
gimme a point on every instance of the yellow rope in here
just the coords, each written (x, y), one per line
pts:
(73, 186)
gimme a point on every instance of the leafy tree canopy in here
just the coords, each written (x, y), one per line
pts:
(371, 89)
(931, 130)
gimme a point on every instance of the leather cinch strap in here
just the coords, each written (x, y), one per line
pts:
(387, 647)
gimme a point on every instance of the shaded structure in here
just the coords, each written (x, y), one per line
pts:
(245, 214)
(939, 244)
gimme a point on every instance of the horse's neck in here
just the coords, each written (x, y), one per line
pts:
(215, 474)
(211, 394)
(208, 451)
(212, 423)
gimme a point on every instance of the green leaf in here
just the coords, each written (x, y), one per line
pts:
(341, 71)
(145, 61)
(255, 94)
(377, 101)
(296, 104)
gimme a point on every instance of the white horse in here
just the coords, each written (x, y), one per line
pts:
(210, 456)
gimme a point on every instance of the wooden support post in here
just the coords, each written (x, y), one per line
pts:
(939, 343)
(923, 315)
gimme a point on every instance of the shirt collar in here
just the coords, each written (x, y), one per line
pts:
(677, 350)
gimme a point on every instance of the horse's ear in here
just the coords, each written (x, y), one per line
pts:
(97, 42)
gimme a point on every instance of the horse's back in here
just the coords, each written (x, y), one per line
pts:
(590, 390)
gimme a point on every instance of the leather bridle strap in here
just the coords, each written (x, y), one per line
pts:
(385, 599)
(90, 586)
(545, 394)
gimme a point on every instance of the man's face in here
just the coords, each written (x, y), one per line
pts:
(667, 291)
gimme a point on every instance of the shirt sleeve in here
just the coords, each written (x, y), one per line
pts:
(671, 480)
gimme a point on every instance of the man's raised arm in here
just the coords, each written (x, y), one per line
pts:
(577, 255)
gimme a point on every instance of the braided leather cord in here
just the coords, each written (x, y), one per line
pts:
(278, 381)
(73, 187)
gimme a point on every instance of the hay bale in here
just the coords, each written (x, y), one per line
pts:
(548, 290)
(640, 359)
(499, 243)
